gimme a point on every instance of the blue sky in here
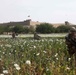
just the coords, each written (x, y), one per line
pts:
(53, 11)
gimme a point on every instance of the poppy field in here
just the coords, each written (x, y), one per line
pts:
(47, 56)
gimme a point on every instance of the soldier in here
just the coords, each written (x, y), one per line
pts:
(36, 37)
(71, 41)
(13, 35)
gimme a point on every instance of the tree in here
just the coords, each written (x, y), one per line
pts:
(1, 29)
(6, 28)
(62, 29)
(44, 28)
(25, 30)
(31, 29)
(18, 29)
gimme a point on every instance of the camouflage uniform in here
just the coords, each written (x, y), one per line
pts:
(71, 41)
(13, 35)
(36, 36)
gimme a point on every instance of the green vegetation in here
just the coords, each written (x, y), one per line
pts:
(62, 29)
(47, 28)
(35, 57)
(44, 28)
(20, 29)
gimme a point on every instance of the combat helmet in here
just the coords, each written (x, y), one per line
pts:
(73, 29)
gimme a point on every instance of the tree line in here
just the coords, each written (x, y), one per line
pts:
(42, 28)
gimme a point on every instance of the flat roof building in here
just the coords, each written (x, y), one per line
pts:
(29, 22)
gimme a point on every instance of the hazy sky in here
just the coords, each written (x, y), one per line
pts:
(53, 11)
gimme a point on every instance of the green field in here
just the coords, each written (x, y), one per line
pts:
(47, 56)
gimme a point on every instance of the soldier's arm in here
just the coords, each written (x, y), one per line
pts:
(66, 41)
